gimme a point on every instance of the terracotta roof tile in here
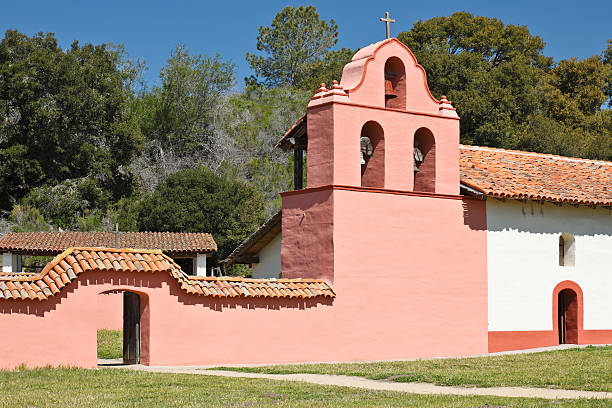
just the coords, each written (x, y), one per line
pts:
(65, 267)
(169, 242)
(536, 176)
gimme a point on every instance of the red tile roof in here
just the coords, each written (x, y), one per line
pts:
(298, 129)
(53, 242)
(65, 268)
(536, 176)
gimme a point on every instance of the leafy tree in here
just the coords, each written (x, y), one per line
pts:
(607, 60)
(579, 85)
(198, 200)
(67, 202)
(296, 43)
(488, 69)
(184, 105)
(257, 118)
(183, 119)
(27, 219)
(62, 115)
(326, 70)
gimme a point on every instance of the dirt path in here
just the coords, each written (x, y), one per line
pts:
(359, 382)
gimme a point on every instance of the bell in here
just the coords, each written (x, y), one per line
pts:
(367, 150)
(389, 92)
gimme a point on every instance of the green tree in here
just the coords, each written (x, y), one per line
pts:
(27, 219)
(185, 104)
(296, 44)
(198, 200)
(578, 86)
(607, 60)
(326, 70)
(64, 204)
(63, 115)
(256, 119)
(488, 69)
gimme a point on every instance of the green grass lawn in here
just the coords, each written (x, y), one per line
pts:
(110, 343)
(581, 369)
(109, 387)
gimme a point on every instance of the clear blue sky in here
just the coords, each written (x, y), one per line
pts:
(150, 29)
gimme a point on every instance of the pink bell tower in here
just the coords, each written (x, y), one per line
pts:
(381, 218)
(383, 96)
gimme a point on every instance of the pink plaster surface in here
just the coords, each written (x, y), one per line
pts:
(363, 77)
(335, 123)
(110, 311)
(176, 328)
(407, 283)
(409, 286)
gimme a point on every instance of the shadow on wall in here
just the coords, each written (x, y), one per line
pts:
(474, 213)
(39, 308)
(547, 218)
(219, 304)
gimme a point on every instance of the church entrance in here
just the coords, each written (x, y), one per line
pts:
(568, 317)
(131, 328)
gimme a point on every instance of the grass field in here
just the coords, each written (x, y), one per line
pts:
(113, 388)
(580, 369)
(110, 343)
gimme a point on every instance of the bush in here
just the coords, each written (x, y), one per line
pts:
(198, 200)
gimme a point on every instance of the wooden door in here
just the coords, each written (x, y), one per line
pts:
(131, 328)
(568, 317)
(561, 317)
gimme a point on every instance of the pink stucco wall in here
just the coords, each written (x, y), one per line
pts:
(407, 286)
(110, 310)
(177, 328)
(409, 271)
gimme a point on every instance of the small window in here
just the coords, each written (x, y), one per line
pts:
(567, 251)
(186, 265)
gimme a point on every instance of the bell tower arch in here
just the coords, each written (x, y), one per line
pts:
(383, 85)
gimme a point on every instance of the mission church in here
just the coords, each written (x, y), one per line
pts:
(518, 244)
(403, 244)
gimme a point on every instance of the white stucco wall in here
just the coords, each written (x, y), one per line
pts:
(269, 265)
(523, 263)
(200, 265)
(7, 262)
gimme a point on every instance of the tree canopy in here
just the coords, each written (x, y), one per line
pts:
(64, 116)
(198, 200)
(297, 49)
(507, 93)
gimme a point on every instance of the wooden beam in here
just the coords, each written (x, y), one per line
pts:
(298, 167)
(247, 260)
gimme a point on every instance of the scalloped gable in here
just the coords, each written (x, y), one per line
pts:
(363, 77)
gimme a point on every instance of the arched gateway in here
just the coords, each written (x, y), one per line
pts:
(49, 318)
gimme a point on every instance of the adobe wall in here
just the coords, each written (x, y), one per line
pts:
(336, 129)
(110, 311)
(412, 284)
(410, 272)
(406, 282)
(176, 328)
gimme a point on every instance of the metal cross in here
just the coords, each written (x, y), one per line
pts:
(387, 20)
